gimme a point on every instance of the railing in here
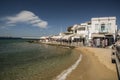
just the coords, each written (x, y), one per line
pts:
(118, 65)
(103, 31)
(116, 59)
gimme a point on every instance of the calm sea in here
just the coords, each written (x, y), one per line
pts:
(20, 60)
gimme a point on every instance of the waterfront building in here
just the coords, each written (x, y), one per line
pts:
(104, 28)
(98, 32)
(101, 30)
(80, 31)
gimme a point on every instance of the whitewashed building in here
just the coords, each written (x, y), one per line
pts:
(105, 25)
(80, 31)
(98, 28)
(104, 28)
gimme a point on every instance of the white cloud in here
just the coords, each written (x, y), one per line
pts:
(26, 17)
(41, 24)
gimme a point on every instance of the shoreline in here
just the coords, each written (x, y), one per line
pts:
(66, 72)
(95, 64)
(57, 44)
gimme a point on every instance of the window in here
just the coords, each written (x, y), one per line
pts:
(102, 27)
(75, 31)
(96, 26)
(81, 29)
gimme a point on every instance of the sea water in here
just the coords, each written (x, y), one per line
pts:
(20, 60)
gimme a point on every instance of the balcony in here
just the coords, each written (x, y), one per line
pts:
(103, 31)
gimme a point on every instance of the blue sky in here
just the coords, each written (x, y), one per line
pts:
(34, 18)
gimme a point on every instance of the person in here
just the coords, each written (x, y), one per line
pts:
(103, 43)
(98, 42)
(94, 42)
(106, 42)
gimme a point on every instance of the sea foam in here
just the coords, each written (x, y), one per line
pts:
(66, 72)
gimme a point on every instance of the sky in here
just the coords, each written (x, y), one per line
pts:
(36, 18)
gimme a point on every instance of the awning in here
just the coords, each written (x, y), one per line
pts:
(43, 37)
(56, 37)
(78, 36)
(67, 37)
(109, 34)
(98, 35)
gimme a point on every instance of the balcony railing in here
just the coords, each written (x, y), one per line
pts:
(103, 31)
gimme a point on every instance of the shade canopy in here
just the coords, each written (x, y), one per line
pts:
(98, 35)
(56, 37)
(67, 37)
(78, 35)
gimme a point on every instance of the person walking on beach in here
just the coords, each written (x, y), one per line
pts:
(103, 43)
(98, 42)
(106, 42)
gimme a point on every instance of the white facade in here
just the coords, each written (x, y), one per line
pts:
(97, 27)
(104, 25)
(101, 25)
(81, 29)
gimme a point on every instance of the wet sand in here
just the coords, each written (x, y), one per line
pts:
(95, 65)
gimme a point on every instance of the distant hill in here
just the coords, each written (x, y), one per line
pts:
(10, 38)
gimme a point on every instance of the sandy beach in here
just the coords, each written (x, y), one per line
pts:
(95, 65)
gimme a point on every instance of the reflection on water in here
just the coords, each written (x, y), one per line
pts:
(20, 60)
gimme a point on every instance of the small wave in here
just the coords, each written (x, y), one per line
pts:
(66, 72)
